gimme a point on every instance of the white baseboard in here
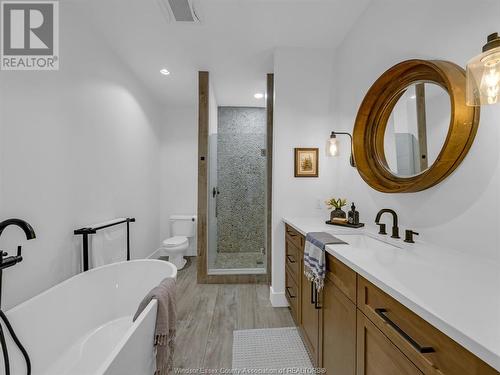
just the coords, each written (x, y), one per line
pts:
(277, 299)
(154, 254)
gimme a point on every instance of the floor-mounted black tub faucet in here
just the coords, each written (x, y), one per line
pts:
(9, 261)
(6, 262)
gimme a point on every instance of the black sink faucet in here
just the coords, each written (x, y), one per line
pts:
(395, 228)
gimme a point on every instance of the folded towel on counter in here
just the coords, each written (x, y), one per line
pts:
(314, 256)
(165, 324)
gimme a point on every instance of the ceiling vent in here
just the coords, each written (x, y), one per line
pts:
(179, 11)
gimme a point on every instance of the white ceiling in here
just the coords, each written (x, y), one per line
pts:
(234, 41)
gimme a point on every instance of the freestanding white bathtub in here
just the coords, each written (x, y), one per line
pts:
(83, 326)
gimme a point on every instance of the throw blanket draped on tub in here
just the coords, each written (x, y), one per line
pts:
(314, 256)
(165, 324)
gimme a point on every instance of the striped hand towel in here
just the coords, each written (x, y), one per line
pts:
(314, 256)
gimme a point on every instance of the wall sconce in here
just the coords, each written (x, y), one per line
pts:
(333, 147)
(483, 74)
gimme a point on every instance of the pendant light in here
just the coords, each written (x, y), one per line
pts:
(483, 74)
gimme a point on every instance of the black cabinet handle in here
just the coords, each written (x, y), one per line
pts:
(312, 294)
(290, 259)
(418, 348)
(316, 300)
(288, 292)
(314, 297)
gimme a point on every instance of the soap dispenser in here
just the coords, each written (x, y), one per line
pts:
(353, 215)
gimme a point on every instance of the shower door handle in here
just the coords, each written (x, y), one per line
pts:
(215, 191)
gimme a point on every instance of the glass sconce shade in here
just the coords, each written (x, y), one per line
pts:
(333, 147)
(483, 75)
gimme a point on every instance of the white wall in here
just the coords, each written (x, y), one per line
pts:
(77, 146)
(302, 118)
(179, 167)
(179, 164)
(462, 212)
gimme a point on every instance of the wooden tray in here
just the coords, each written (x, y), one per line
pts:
(346, 224)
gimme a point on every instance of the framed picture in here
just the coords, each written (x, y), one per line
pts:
(306, 162)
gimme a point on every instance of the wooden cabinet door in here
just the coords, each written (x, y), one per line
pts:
(376, 355)
(339, 331)
(309, 319)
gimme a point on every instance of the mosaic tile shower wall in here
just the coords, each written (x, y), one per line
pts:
(241, 169)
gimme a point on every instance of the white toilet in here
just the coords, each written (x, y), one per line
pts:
(182, 229)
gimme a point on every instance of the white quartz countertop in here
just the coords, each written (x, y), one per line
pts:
(455, 292)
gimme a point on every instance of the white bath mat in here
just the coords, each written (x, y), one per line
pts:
(273, 348)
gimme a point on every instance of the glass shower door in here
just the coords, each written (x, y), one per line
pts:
(237, 192)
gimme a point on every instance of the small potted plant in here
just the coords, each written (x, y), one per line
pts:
(336, 205)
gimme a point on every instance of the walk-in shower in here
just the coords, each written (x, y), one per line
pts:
(237, 192)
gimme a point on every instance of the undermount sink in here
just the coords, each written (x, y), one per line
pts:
(363, 241)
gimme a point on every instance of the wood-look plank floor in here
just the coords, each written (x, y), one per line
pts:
(207, 315)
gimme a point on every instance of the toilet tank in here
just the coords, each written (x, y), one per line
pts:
(182, 225)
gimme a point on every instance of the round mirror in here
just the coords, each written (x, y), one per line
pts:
(413, 128)
(416, 129)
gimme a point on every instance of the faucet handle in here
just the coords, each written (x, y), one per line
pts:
(409, 236)
(19, 248)
(382, 228)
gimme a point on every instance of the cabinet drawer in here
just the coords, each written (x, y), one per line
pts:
(432, 351)
(292, 260)
(292, 296)
(342, 277)
(295, 237)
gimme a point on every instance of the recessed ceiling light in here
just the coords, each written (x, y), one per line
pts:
(165, 72)
(259, 95)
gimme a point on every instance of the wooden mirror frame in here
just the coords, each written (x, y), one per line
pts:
(376, 108)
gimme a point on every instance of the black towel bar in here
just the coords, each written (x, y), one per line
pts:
(85, 232)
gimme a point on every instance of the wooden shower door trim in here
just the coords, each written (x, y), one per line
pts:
(202, 228)
(203, 118)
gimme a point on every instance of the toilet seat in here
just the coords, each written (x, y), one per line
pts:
(175, 241)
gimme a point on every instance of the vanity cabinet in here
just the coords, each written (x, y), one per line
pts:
(310, 319)
(300, 293)
(354, 328)
(339, 331)
(294, 254)
(430, 350)
(377, 355)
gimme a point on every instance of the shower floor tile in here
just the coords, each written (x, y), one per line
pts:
(239, 260)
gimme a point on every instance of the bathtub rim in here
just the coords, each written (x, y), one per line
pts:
(83, 274)
(153, 304)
